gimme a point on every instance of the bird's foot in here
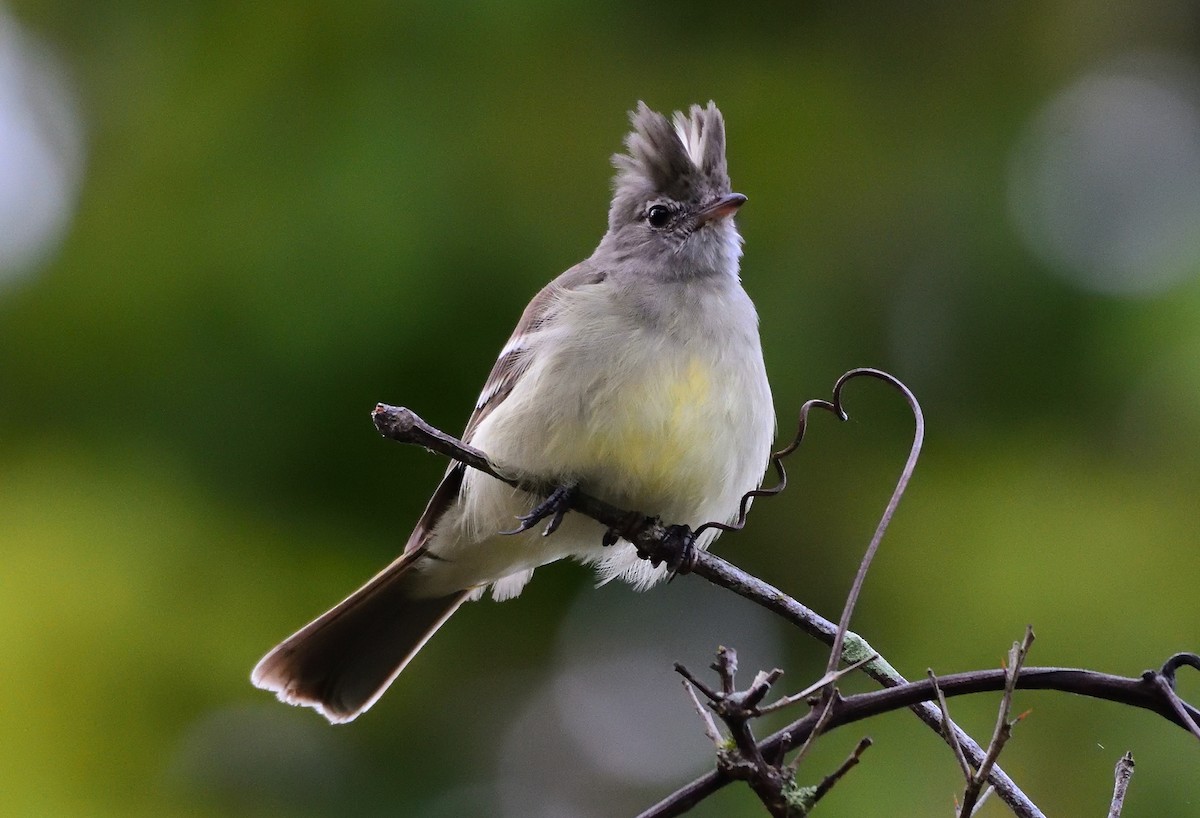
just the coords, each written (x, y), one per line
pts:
(677, 549)
(554, 507)
(628, 527)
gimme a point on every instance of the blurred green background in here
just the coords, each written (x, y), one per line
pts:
(228, 229)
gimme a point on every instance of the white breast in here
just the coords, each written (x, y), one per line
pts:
(671, 418)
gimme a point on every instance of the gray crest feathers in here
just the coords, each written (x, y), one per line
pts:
(683, 159)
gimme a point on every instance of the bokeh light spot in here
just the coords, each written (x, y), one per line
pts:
(41, 151)
(1105, 182)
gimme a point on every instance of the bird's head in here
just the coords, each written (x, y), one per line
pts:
(672, 203)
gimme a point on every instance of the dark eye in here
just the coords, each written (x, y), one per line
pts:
(658, 216)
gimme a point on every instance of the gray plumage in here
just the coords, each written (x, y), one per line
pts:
(637, 374)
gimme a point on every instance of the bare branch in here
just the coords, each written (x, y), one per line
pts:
(1142, 692)
(1165, 679)
(648, 535)
(744, 760)
(1155, 691)
(720, 572)
(828, 701)
(947, 733)
(1123, 773)
(828, 678)
(710, 725)
(1003, 729)
(851, 761)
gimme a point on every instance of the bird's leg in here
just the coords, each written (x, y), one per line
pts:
(555, 507)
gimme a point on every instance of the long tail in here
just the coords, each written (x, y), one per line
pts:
(341, 662)
(344, 660)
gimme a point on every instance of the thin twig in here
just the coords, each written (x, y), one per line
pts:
(724, 574)
(828, 678)
(984, 796)
(1003, 729)
(710, 725)
(828, 702)
(835, 653)
(860, 577)
(1134, 692)
(689, 677)
(1122, 774)
(948, 734)
(851, 761)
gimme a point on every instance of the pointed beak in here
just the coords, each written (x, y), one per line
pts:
(726, 205)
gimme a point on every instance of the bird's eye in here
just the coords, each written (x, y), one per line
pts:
(658, 216)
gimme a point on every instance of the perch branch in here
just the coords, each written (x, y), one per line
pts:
(1154, 691)
(648, 535)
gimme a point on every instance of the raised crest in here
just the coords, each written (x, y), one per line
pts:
(683, 158)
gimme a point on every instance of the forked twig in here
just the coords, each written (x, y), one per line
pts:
(741, 756)
(828, 678)
(1003, 729)
(1137, 692)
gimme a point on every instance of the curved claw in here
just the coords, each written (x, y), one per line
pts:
(555, 507)
(678, 551)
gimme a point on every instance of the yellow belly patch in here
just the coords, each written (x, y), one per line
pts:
(651, 440)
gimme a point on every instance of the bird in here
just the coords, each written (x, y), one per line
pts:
(636, 376)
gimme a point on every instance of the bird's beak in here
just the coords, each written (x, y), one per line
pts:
(726, 205)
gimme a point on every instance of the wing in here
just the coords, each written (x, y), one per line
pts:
(511, 364)
(514, 357)
(339, 663)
